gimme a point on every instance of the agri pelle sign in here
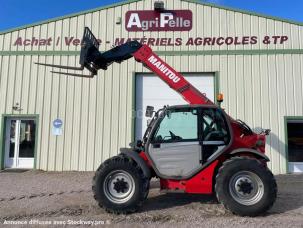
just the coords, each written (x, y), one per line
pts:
(151, 20)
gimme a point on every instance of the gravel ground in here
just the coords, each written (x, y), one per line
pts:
(49, 197)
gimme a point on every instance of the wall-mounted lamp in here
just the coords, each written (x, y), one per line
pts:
(17, 107)
(118, 21)
(159, 5)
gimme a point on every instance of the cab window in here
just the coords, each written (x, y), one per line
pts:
(214, 126)
(178, 125)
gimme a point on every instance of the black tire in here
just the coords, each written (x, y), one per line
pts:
(230, 190)
(102, 182)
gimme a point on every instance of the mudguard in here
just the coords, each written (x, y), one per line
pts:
(136, 157)
(250, 151)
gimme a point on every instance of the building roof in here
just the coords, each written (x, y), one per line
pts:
(131, 1)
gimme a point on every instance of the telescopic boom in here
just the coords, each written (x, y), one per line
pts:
(93, 60)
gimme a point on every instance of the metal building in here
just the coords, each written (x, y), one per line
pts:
(55, 122)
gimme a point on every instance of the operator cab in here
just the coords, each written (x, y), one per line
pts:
(181, 139)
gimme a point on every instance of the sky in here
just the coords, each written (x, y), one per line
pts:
(15, 13)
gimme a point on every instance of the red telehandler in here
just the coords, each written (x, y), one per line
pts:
(195, 148)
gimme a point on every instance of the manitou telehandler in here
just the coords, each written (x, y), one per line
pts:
(195, 148)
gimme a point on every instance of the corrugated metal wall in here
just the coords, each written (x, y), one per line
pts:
(97, 113)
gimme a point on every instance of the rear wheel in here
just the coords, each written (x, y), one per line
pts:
(119, 185)
(245, 186)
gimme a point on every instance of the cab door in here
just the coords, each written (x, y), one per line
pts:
(175, 148)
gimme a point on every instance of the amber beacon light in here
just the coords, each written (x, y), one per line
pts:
(220, 97)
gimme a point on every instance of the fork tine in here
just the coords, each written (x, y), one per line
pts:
(74, 75)
(61, 67)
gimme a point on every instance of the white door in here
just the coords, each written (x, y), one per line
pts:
(151, 90)
(20, 143)
(295, 145)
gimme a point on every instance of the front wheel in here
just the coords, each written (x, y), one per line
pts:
(119, 185)
(245, 186)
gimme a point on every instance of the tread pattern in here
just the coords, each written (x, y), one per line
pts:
(273, 188)
(123, 161)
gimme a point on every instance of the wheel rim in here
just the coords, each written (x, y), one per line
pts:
(246, 188)
(119, 186)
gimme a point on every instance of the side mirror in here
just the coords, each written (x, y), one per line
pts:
(149, 111)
